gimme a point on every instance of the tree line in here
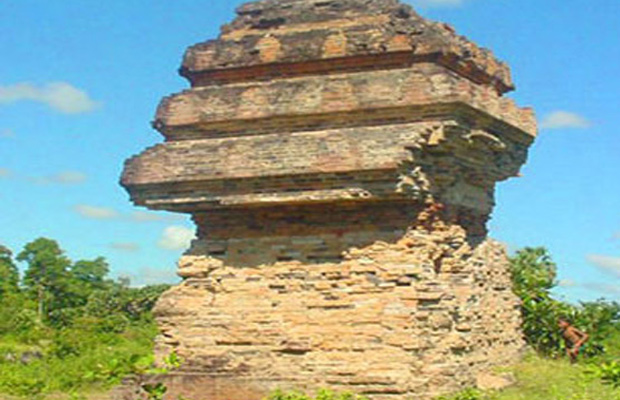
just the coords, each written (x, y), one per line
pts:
(66, 325)
(54, 290)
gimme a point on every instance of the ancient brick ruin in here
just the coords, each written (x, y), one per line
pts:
(339, 158)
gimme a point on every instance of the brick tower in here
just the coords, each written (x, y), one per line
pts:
(339, 158)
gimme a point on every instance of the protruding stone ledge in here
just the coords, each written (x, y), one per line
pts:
(244, 106)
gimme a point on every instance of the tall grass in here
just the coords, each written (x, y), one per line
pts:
(74, 361)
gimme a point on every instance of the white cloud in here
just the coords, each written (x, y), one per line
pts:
(127, 247)
(61, 178)
(564, 120)
(7, 133)
(567, 283)
(603, 288)
(60, 96)
(5, 172)
(176, 238)
(437, 3)
(145, 216)
(154, 276)
(68, 178)
(94, 212)
(606, 264)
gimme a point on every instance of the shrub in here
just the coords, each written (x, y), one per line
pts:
(600, 320)
(321, 395)
(467, 394)
(609, 373)
(155, 391)
(533, 276)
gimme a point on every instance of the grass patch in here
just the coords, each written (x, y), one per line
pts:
(540, 378)
(545, 379)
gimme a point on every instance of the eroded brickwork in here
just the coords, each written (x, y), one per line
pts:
(339, 158)
(408, 319)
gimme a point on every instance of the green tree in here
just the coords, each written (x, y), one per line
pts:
(533, 273)
(132, 303)
(92, 272)
(11, 301)
(9, 277)
(47, 277)
(86, 277)
(533, 276)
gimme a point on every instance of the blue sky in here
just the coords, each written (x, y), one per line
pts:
(80, 80)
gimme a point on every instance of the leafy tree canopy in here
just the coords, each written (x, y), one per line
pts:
(9, 276)
(46, 278)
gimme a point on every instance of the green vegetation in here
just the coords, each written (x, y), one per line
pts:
(321, 395)
(65, 327)
(534, 276)
(467, 394)
(541, 378)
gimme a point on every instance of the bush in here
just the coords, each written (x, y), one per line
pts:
(533, 276)
(27, 327)
(467, 394)
(321, 395)
(609, 373)
(600, 320)
(74, 359)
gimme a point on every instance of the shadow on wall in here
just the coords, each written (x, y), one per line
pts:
(315, 234)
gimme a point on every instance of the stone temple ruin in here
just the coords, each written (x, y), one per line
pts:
(339, 158)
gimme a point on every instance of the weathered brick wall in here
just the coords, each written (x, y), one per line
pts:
(339, 158)
(407, 319)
